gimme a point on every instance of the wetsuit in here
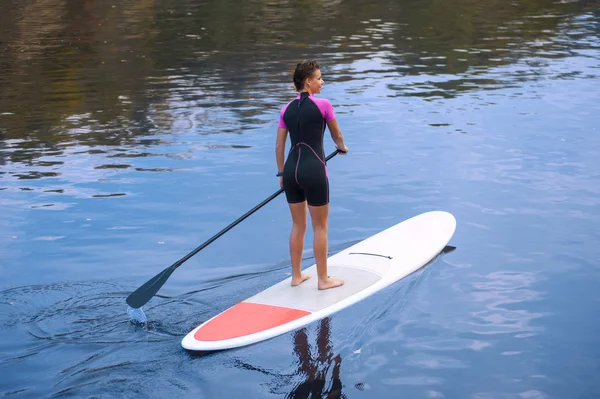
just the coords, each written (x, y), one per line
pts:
(305, 172)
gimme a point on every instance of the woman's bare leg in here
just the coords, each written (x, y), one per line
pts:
(298, 211)
(319, 216)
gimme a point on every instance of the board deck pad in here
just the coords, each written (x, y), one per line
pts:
(366, 268)
(307, 297)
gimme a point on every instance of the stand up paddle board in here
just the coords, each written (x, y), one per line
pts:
(366, 268)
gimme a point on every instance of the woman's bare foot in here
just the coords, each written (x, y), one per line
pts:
(299, 280)
(330, 283)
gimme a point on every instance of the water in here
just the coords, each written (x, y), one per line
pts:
(131, 132)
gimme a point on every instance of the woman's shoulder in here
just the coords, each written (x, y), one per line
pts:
(321, 100)
(325, 107)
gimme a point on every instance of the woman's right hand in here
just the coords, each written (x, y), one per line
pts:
(343, 149)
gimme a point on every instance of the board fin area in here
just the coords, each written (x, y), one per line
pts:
(247, 318)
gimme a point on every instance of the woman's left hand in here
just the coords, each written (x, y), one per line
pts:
(281, 181)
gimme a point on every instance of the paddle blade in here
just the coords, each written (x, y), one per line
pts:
(142, 295)
(447, 249)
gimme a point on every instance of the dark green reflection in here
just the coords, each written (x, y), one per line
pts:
(111, 74)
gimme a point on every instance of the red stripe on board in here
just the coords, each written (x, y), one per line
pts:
(246, 318)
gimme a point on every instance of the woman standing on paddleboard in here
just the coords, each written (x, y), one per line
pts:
(303, 176)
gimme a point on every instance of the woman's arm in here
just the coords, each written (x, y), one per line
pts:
(336, 135)
(280, 148)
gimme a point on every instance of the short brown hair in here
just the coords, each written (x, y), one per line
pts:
(304, 69)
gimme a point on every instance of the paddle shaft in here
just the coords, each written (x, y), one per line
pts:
(226, 229)
(144, 293)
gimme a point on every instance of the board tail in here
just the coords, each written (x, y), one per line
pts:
(246, 318)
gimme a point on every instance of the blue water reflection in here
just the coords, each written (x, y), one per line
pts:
(130, 133)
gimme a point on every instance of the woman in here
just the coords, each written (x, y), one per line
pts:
(304, 174)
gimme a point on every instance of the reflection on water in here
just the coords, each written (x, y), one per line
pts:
(105, 75)
(131, 131)
(160, 79)
(502, 292)
(316, 369)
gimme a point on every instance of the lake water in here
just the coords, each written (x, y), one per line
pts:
(131, 132)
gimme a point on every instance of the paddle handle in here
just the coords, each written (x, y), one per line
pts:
(244, 216)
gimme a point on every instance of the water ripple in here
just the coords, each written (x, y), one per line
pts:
(130, 132)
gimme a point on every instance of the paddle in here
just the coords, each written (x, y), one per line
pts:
(142, 295)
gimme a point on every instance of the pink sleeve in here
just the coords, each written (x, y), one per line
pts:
(326, 109)
(282, 124)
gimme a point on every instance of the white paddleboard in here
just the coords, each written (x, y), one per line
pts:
(366, 268)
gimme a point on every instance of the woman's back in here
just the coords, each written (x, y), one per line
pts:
(306, 118)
